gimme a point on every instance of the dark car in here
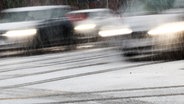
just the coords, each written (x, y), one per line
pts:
(157, 27)
(34, 27)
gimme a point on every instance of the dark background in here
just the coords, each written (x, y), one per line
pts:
(78, 4)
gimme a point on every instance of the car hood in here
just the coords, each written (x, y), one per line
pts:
(19, 25)
(147, 22)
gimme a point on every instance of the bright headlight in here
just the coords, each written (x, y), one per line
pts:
(114, 32)
(20, 33)
(85, 27)
(170, 28)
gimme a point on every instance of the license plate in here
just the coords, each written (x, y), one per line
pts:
(133, 43)
(4, 42)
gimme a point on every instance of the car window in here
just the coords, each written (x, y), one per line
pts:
(12, 17)
(32, 15)
(100, 14)
(58, 13)
(39, 15)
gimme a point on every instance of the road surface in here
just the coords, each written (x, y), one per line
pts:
(91, 76)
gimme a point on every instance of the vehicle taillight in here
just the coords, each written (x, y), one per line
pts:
(76, 17)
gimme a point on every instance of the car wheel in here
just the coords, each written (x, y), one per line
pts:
(38, 41)
(69, 38)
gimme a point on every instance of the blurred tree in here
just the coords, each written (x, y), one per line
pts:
(78, 4)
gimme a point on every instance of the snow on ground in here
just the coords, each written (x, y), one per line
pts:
(96, 76)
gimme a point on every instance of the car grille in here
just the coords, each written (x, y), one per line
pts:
(138, 35)
(1, 33)
(156, 45)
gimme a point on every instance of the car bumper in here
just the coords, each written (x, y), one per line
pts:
(151, 45)
(8, 43)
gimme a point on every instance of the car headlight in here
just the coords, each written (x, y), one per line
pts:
(167, 29)
(84, 27)
(114, 32)
(20, 33)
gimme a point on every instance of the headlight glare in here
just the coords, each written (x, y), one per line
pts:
(170, 28)
(20, 33)
(84, 27)
(114, 32)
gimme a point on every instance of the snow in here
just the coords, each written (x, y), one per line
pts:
(88, 71)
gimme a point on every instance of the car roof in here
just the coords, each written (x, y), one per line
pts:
(35, 8)
(90, 10)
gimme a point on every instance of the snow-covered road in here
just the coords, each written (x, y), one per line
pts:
(93, 76)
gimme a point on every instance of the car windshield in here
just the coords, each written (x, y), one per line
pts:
(101, 14)
(31, 15)
(142, 7)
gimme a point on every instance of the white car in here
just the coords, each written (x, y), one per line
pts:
(157, 27)
(36, 26)
(88, 22)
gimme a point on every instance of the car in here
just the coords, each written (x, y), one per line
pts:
(88, 21)
(35, 27)
(153, 28)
